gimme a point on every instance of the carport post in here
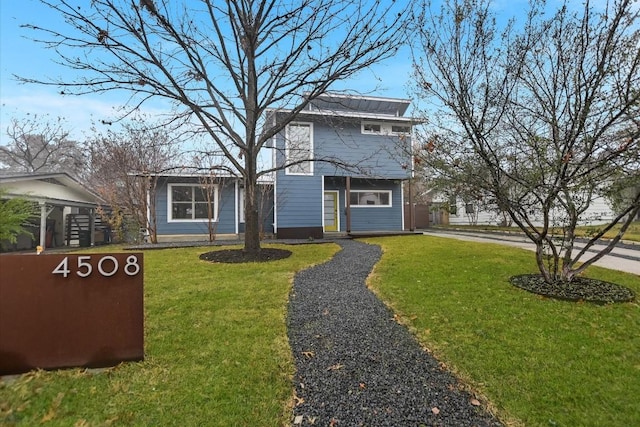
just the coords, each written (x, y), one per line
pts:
(92, 226)
(43, 224)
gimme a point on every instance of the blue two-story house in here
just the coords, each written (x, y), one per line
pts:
(342, 167)
(344, 162)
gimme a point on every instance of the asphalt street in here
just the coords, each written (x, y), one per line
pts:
(624, 257)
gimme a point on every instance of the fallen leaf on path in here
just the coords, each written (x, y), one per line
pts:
(435, 410)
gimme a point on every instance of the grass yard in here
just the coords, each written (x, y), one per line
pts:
(216, 352)
(539, 362)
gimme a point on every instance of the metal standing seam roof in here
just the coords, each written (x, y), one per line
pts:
(394, 107)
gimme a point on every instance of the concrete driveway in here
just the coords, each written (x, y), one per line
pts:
(625, 257)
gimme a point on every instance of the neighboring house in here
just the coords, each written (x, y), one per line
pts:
(67, 210)
(348, 159)
(457, 212)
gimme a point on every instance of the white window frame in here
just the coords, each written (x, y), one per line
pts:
(370, 131)
(288, 170)
(241, 205)
(192, 219)
(389, 192)
(407, 132)
(386, 128)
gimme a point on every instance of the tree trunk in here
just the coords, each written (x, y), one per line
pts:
(251, 216)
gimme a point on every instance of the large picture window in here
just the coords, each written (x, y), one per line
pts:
(191, 202)
(366, 198)
(299, 148)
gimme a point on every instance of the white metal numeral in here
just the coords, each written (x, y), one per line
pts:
(86, 265)
(62, 268)
(115, 266)
(132, 261)
(85, 268)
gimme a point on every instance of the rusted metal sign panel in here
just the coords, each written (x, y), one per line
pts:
(66, 310)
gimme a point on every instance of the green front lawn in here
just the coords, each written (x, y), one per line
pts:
(539, 362)
(216, 352)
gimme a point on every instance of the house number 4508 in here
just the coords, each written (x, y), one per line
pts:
(106, 266)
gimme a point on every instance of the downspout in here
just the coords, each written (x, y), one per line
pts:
(148, 224)
(412, 212)
(412, 220)
(275, 180)
(237, 205)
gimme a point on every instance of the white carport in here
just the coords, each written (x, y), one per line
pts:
(53, 192)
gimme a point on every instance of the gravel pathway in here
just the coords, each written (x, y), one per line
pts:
(355, 365)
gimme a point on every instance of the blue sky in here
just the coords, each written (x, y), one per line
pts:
(21, 56)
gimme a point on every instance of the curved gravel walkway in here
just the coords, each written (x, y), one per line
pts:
(355, 365)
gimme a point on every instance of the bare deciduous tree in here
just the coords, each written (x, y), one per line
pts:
(124, 167)
(548, 107)
(223, 65)
(39, 145)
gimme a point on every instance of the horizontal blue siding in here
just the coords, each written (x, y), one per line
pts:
(340, 141)
(299, 200)
(226, 210)
(370, 218)
(377, 156)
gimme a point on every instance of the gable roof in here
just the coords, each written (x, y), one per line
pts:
(50, 188)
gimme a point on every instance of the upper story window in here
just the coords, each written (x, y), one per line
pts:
(371, 128)
(191, 202)
(378, 128)
(299, 148)
(400, 129)
(366, 198)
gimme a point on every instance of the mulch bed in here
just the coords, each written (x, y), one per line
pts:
(236, 256)
(579, 289)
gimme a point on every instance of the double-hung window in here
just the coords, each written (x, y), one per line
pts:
(191, 202)
(299, 149)
(366, 198)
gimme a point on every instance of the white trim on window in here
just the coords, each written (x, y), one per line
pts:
(191, 209)
(371, 198)
(304, 168)
(241, 205)
(385, 128)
